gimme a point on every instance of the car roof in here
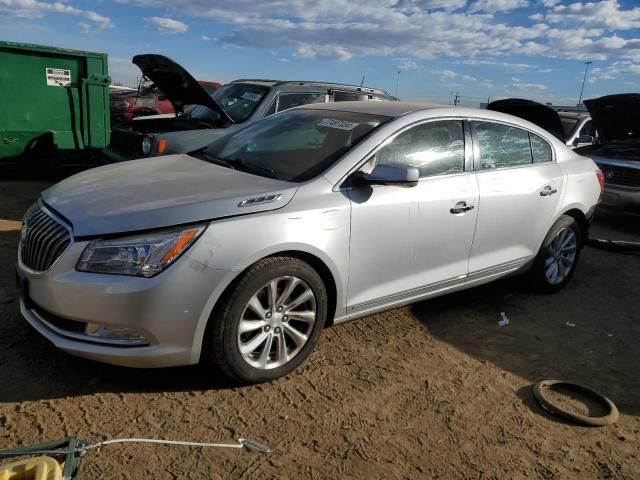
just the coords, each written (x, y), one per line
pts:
(399, 109)
(388, 109)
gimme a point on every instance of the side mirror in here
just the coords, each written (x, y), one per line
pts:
(390, 174)
(588, 139)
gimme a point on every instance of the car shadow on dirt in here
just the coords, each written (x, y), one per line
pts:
(33, 369)
(588, 333)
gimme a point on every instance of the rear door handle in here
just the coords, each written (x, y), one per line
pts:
(461, 207)
(548, 190)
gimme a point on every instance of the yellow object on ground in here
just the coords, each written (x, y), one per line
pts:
(38, 468)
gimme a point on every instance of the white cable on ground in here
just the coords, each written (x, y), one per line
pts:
(242, 443)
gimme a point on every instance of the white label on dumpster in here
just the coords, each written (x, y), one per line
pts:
(57, 77)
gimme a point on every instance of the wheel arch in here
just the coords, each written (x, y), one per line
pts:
(581, 219)
(326, 272)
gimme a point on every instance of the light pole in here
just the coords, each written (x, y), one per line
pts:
(586, 69)
(397, 82)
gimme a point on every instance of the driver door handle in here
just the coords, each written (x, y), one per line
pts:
(548, 190)
(461, 207)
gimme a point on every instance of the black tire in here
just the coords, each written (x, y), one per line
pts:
(221, 339)
(537, 273)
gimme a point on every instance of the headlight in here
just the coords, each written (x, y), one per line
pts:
(146, 145)
(143, 255)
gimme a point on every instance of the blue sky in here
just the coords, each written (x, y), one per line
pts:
(478, 48)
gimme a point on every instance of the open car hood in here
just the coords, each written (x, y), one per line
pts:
(176, 83)
(616, 117)
(537, 113)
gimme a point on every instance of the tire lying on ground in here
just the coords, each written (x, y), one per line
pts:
(539, 392)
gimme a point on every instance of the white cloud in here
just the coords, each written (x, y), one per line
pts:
(606, 14)
(614, 71)
(36, 9)
(469, 78)
(324, 51)
(168, 25)
(417, 29)
(205, 38)
(506, 65)
(446, 75)
(523, 88)
(406, 64)
(493, 6)
(436, 4)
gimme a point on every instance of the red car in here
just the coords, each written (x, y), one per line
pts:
(125, 106)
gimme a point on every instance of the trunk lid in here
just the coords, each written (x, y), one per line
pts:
(537, 113)
(616, 117)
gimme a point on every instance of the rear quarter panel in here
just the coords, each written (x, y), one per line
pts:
(582, 189)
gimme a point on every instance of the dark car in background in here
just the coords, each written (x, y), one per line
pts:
(212, 116)
(617, 152)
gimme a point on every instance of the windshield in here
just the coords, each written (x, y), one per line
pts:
(238, 100)
(294, 145)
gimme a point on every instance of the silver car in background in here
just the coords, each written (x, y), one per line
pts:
(240, 253)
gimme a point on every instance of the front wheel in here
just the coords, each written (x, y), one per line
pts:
(269, 323)
(558, 257)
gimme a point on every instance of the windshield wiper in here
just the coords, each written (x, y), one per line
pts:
(202, 155)
(253, 168)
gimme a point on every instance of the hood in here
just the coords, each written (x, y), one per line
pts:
(176, 83)
(159, 192)
(537, 113)
(616, 117)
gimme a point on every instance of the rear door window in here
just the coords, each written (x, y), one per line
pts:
(540, 150)
(502, 146)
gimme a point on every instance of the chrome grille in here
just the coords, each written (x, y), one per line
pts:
(623, 176)
(42, 241)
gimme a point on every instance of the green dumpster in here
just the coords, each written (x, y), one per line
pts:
(54, 104)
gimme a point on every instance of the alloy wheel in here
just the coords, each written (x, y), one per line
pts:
(277, 322)
(561, 256)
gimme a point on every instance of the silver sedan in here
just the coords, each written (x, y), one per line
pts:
(240, 253)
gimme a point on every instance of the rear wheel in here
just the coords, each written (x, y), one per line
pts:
(558, 257)
(269, 323)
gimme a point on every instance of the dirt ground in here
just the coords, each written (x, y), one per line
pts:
(435, 390)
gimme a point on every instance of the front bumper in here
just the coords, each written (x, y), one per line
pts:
(167, 309)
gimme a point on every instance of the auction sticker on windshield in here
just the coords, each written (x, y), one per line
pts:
(339, 124)
(254, 97)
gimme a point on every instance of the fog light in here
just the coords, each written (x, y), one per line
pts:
(115, 335)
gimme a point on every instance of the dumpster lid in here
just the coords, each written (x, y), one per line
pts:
(176, 83)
